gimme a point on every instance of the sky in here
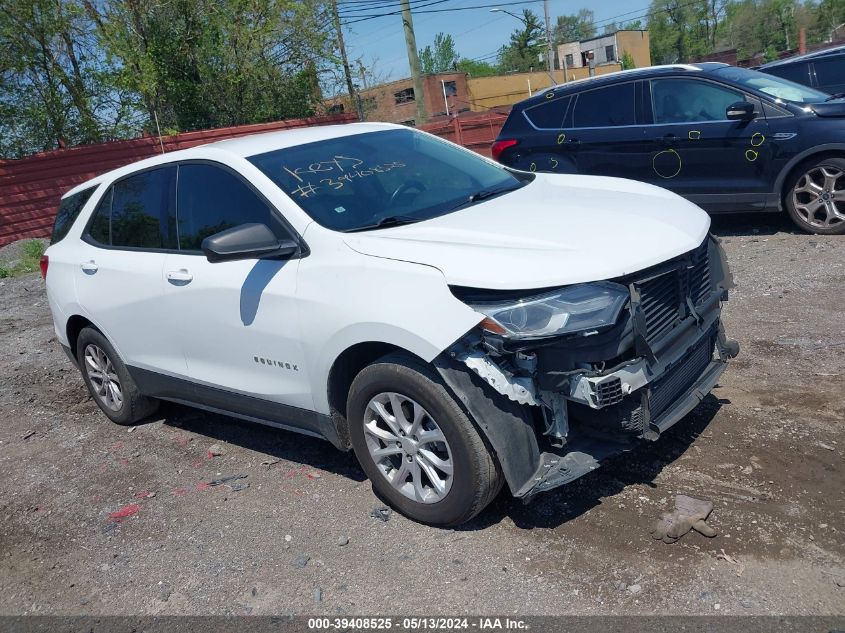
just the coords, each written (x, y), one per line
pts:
(478, 32)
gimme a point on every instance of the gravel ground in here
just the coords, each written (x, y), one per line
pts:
(766, 448)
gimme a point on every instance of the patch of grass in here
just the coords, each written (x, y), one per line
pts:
(31, 252)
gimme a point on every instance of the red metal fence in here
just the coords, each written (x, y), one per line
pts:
(476, 134)
(30, 188)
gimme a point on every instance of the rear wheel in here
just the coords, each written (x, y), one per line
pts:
(418, 447)
(108, 380)
(815, 198)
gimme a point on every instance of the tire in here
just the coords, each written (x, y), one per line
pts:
(93, 353)
(815, 196)
(475, 479)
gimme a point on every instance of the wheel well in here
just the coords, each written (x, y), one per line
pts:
(74, 327)
(813, 158)
(347, 366)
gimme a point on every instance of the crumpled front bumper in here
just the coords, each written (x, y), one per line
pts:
(676, 391)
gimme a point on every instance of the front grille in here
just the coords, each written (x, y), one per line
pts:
(663, 297)
(681, 376)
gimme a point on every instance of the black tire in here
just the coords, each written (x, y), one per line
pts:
(792, 199)
(476, 477)
(134, 406)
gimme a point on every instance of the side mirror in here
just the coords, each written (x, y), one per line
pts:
(740, 111)
(247, 241)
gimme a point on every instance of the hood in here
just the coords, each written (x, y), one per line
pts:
(830, 109)
(557, 230)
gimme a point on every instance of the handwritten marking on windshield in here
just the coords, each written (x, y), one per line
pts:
(335, 162)
(334, 180)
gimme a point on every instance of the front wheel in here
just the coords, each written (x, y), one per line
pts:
(815, 198)
(418, 447)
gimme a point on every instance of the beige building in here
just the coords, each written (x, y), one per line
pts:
(394, 101)
(607, 49)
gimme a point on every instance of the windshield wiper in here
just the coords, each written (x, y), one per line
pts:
(838, 95)
(484, 194)
(391, 220)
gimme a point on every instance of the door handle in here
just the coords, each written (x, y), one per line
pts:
(89, 267)
(573, 142)
(179, 277)
(669, 139)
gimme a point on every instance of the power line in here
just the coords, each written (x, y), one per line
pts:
(478, 6)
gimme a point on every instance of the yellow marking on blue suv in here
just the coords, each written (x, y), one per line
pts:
(759, 138)
(694, 135)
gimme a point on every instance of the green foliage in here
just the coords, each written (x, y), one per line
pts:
(31, 252)
(522, 54)
(440, 58)
(475, 68)
(81, 71)
(628, 61)
(680, 29)
(572, 28)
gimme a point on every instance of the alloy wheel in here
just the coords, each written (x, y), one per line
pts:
(103, 377)
(408, 447)
(819, 197)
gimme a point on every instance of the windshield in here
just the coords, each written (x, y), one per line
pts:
(772, 85)
(397, 176)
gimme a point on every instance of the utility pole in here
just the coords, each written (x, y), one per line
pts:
(414, 62)
(353, 96)
(550, 55)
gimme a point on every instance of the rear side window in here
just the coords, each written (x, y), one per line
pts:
(830, 73)
(210, 199)
(548, 115)
(140, 210)
(69, 210)
(136, 212)
(606, 107)
(799, 73)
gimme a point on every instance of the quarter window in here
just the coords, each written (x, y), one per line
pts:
(210, 199)
(690, 100)
(606, 107)
(548, 115)
(69, 210)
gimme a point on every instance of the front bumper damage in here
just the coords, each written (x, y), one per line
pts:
(554, 409)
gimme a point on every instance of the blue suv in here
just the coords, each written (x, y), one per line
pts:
(728, 139)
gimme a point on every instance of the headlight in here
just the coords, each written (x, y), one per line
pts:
(581, 308)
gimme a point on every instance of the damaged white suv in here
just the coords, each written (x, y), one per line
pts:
(458, 324)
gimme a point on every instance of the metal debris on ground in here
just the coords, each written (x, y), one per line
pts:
(27, 435)
(382, 513)
(231, 481)
(690, 514)
(301, 561)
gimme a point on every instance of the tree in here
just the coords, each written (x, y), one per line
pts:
(54, 84)
(441, 58)
(210, 63)
(572, 28)
(523, 52)
(475, 68)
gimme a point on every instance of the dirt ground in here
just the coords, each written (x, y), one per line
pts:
(767, 448)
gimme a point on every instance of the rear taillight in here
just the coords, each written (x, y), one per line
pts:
(501, 146)
(45, 261)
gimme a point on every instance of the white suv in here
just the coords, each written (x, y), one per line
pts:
(458, 324)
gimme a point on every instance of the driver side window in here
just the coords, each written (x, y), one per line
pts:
(210, 199)
(690, 100)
